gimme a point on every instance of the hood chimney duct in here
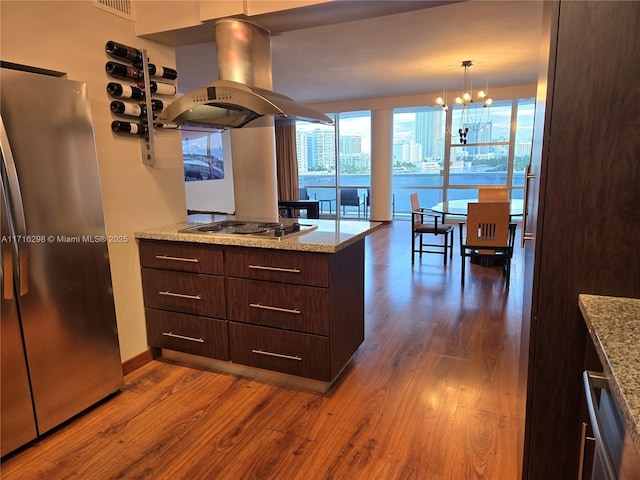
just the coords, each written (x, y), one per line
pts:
(244, 53)
(244, 56)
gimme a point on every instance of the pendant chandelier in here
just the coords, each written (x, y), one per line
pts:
(472, 116)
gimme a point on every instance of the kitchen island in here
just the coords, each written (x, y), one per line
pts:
(283, 309)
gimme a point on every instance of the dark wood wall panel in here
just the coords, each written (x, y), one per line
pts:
(589, 233)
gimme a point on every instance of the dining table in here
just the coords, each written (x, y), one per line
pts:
(459, 207)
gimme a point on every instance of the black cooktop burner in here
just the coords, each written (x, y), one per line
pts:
(270, 225)
(231, 223)
(249, 230)
(210, 228)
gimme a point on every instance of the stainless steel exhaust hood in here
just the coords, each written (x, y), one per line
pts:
(243, 93)
(225, 103)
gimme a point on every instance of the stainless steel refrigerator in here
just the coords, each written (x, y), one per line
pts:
(60, 352)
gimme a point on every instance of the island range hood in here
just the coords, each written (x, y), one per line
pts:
(242, 95)
(225, 103)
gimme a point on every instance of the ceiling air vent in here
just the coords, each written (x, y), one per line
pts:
(122, 8)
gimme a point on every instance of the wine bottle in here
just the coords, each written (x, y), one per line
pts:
(158, 71)
(131, 109)
(157, 105)
(160, 88)
(124, 51)
(129, 127)
(126, 71)
(126, 108)
(125, 91)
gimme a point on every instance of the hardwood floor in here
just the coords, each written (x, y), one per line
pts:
(431, 394)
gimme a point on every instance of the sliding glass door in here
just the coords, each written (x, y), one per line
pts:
(333, 159)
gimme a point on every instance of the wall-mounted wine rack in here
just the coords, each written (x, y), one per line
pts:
(146, 129)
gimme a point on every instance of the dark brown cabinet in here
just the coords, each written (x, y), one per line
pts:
(183, 291)
(280, 350)
(584, 216)
(187, 333)
(295, 312)
(298, 313)
(290, 307)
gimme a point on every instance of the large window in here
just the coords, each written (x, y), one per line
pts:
(443, 165)
(418, 155)
(428, 156)
(326, 166)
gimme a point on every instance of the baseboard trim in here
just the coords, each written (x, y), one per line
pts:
(139, 360)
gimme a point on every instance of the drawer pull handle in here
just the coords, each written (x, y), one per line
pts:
(181, 295)
(279, 355)
(277, 309)
(175, 335)
(275, 269)
(177, 259)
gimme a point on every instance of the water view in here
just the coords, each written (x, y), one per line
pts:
(429, 187)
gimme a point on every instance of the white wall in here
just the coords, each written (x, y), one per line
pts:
(70, 36)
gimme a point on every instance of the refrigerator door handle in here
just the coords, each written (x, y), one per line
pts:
(6, 255)
(17, 222)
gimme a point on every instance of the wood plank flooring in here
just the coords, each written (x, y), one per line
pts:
(431, 394)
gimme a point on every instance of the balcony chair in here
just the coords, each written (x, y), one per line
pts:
(493, 194)
(349, 198)
(304, 194)
(432, 226)
(488, 233)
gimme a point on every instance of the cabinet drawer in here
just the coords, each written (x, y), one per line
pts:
(184, 292)
(185, 257)
(294, 353)
(293, 307)
(278, 266)
(187, 333)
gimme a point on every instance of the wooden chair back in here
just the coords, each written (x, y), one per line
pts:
(415, 207)
(488, 224)
(493, 194)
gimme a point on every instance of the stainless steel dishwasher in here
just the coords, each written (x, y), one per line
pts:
(615, 456)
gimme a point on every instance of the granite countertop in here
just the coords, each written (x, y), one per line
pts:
(613, 323)
(330, 236)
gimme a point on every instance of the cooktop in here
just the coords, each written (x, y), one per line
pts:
(251, 229)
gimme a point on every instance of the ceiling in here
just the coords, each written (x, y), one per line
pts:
(380, 49)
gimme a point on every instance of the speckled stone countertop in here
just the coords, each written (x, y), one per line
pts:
(614, 326)
(330, 236)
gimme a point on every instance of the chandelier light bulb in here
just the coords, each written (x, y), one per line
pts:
(459, 100)
(466, 96)
(482, 94)
(439, 101)
(488, 102)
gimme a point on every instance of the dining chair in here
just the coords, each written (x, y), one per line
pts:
(432, 226)
(349, 198)
(489, 232)
(493, 194)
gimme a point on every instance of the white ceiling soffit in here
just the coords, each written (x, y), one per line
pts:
(337, 11)
(383, 55)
